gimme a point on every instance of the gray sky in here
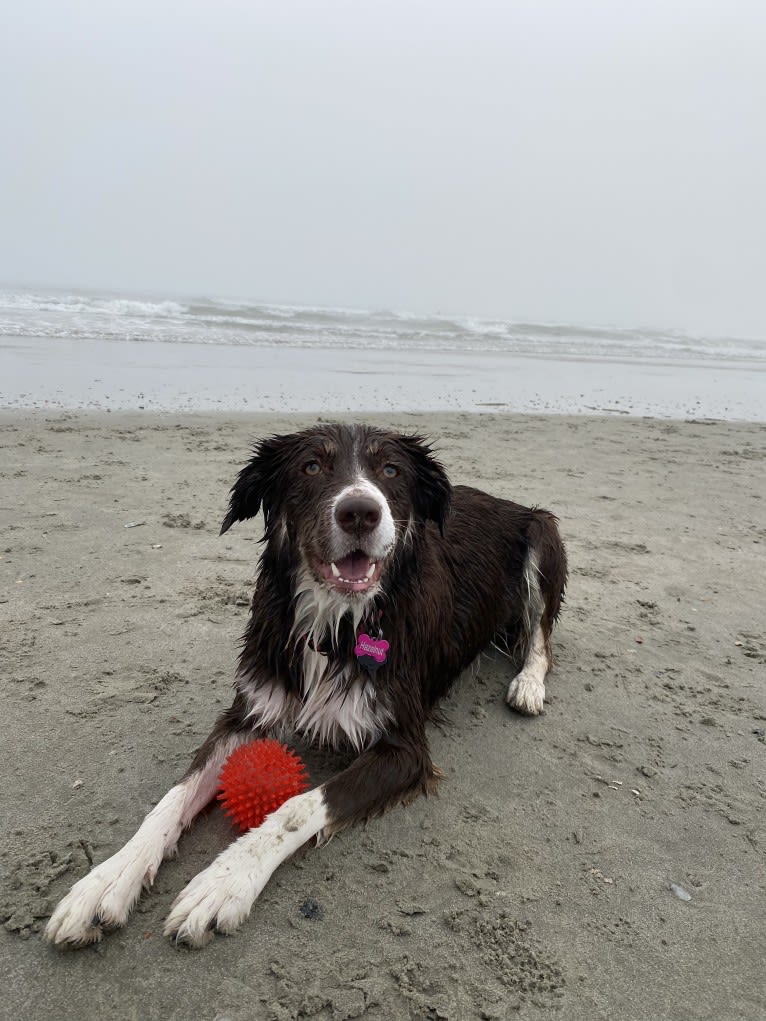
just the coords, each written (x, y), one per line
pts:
(554, 160)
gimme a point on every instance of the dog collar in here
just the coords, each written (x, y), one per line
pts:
(371, 650)
(316, 646)
(371, 653)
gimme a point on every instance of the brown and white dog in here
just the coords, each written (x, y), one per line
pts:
(378, 584)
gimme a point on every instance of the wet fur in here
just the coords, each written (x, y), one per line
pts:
(464, 569)
(458, 580)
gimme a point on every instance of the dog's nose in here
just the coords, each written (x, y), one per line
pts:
(358, 514)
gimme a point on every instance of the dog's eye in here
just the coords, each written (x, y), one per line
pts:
(390, 471)
(312, 468)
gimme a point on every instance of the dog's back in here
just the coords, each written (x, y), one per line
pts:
(487, 570)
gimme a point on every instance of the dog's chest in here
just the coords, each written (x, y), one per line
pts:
(337, 706)
(334, 707)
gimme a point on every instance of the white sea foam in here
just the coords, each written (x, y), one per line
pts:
(87, 317)
(27, 301)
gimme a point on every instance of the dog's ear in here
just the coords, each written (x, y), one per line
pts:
(257, 483)
(432, 491)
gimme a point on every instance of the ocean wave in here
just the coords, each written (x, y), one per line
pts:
(72, 316)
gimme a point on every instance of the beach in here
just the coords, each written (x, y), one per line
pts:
(99, 375)
(602, 861)
(97, 352)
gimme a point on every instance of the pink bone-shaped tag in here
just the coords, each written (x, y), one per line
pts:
(375, 647)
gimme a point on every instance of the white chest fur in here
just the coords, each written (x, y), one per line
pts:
(333, 708)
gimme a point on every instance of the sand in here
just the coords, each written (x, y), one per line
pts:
(540, 883)
(104, 375)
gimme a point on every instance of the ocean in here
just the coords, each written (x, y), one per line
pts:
(103, 317)
(55, 348)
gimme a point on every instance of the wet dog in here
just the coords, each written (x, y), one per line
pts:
(378, 584)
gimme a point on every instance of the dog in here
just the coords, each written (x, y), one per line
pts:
(379, 583)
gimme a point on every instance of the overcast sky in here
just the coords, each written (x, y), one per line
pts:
(554, 160)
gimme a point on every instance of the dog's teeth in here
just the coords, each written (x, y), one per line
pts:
(334, 569)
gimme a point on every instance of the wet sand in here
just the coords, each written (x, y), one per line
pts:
(540, 883)
(60, 373)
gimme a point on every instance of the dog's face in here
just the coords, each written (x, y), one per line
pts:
(344, 496)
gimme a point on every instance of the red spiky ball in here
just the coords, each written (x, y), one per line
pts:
(257, 778)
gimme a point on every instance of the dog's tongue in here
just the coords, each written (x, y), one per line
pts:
(354, 567)
(353, 573)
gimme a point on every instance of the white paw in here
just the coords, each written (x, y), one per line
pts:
(218, 899)
(102, 898)
(526, 694)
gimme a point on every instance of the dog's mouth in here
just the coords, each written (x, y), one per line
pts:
(353, 573)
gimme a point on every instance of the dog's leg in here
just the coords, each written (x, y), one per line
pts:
(107, 894)
(526, 692)
(221, 897)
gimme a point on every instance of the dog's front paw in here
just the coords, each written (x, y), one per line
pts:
(101, 899)
(218, 899)
(526, 694)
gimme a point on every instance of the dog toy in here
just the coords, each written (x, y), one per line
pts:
(257, 778)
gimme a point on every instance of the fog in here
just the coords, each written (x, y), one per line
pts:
(546, 160)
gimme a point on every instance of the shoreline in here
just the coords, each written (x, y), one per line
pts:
(139, 375)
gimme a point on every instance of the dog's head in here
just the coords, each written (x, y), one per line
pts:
(345, 496)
